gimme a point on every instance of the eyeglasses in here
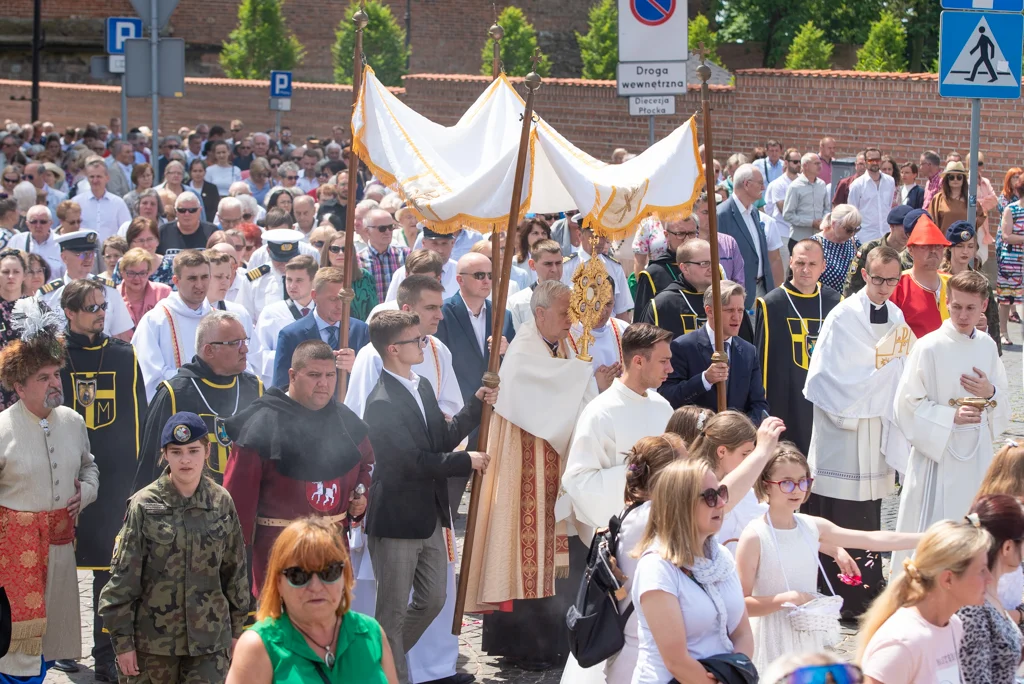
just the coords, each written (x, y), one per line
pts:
(478, 275)
(701, 264)
(94, 308)
(28, 177)
(246, 217)
(39, 222)
(188, 210)
(136, 274)
(236, 130)
(319, 244)
(11, 181)
(789, 486)
(879, 280)
(82, 256)
(298, 577)
(793, 161)
(682, 233)
(713, 496)
(421, 341)
(291, 178)
(232, 343)
(336, 249)
(384, 229)
(839, 673)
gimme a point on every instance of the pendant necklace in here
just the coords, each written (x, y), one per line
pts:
(328, 656)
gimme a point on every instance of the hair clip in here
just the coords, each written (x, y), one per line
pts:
(973, 519)
(1011, 443)
(700, 421)
(633, 467)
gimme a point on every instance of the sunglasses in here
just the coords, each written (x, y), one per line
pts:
(319, 244)
(793, 161)
(246, 217)
(188, 210)
(956, 177)
(236, 130)
(789, 486)
(43, 222)
(384, 229)
(840, 673)
(336, 249)
(478, 275)
(713, 496)
(11, 180)
(94, 308)
(298, 577)
(28, 176)
(291, 178)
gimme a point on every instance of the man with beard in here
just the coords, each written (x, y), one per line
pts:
(104, 384)
(214, 386)
(789, 320)
(47, 476)
(297, 453)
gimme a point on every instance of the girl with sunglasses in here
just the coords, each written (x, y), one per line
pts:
(777, 556)
(178, 594)
(305, 629)
(332, 253)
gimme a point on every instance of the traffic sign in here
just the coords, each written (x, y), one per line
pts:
(280, 84)
(652, 12)
(138, 80)
(658, 105)
(651, 78)
(120, 29)
(980, 55)
(164, 9)
(985, 5)
(98, 67)
(652, 31)
(115, 64)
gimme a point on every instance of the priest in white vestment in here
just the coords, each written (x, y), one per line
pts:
(951, 445)
(543, 389)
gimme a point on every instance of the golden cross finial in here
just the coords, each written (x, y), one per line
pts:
(536, 58)
(703, 52)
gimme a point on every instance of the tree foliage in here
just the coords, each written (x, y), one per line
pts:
(699, 31)
(516, 47)
(886, 47)
(383, 45)
(599, 46)
(260, 43)
(809, 50)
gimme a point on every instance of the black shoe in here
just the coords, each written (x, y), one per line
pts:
(65, 665)
(105, 672)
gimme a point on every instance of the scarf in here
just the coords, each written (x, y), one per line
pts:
(308, 445)
(709, 571)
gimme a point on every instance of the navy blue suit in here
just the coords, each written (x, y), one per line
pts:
(730, 222)
(915, 198)
(691, 356)
(293, 334)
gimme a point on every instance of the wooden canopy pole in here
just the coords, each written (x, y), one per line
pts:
(359, 20)
(719, 356)
(499, 299)
(496, 32)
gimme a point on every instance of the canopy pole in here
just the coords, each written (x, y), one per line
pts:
(496, 32)
(491, 378)
(359, 20)
(719, 356)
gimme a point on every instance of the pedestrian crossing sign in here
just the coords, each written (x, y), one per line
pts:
(980, 54)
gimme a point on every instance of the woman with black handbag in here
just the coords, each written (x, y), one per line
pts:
(688, 598)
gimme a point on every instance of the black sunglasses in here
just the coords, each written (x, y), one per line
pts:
(711, 496)
(336, 249)
(384, 229)
(188, 210)
(298, 577)
(478, 275)
(94, 308)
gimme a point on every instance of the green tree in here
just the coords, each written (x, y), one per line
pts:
(699, 31)
(809, 50)
(383, 45)
(885, 49)
(261, 42)
(516, 47)
(599, 47)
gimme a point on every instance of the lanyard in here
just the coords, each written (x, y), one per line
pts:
(238, 392)
(803, 323)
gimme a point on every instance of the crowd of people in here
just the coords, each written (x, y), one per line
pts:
(173, 334)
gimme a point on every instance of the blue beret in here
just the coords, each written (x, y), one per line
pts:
(960, 231)
(911, 218)
(183, 428)
(897, 214)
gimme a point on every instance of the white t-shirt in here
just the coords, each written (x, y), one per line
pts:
(907, 649)
(736, 520)
(653, 573)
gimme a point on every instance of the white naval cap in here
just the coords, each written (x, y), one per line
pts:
(78, 241)
(282, 243)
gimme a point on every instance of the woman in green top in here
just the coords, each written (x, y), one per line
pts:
(305, 631)
(333, 254)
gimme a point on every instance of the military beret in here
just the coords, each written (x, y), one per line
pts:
(183, 428)
(960, 231)
(911, 218)
(897, 214)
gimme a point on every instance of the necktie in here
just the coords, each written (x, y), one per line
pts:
(221, 306)
(879, 315)
(304, 310)
(333, 337)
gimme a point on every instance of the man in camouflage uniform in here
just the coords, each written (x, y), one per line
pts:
(901, 221)
(178, 595)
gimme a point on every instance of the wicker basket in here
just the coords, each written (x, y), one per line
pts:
(820, 614)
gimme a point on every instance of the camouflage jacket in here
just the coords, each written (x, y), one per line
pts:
(854, 280)
(178, 583)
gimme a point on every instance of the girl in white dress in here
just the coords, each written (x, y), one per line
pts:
(777, 556)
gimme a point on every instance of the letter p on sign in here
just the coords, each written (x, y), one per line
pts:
(280, 84)
(120, 29)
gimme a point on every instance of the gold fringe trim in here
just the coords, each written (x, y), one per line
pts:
(27, 637)
(561, 572)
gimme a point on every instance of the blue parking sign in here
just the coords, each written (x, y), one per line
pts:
(280, 84)
(980, 54)
(120, 29)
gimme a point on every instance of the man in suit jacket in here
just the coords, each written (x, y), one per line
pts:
(409, 506)
(738, 217)
(693, 375)
(322, 323)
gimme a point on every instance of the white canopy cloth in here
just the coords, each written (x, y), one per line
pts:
(463, 175)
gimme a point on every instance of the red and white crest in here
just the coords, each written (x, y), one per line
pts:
(324, 496)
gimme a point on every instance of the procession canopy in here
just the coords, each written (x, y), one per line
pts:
(462, 176)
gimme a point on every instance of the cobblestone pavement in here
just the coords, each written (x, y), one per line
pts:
(489, 670)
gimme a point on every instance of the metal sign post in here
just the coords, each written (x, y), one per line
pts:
(280, 97)
(154, 39)
(972, 192)
(120, 29)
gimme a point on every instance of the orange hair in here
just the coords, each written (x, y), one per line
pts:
(1008, 189)
(311, 544)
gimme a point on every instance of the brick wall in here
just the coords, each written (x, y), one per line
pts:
(900, 113)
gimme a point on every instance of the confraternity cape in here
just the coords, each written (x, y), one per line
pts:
(541, 397)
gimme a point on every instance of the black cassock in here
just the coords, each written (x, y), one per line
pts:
(679, 308)
(787, 327)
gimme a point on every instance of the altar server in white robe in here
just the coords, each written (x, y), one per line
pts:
(298, 282)
(951, 445)
(165, 337)
(222, 271)
(434, 656)
(545, 264)
(855, 446)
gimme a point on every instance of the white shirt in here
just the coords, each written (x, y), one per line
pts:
(159, 356)
(905, 192)
(49, 250)
(448, 273)
(773, 231)
(307, 184)
(770, 172)
(104, 214)
(323, 326)
(117, 321)
(479, 323)
(240, 292)
(464, 240)
(267, 289)
(606, 349)
(776, 192)
(728, 354)
(755, 237)
(222, 177)
(390, 305)
(412, 384)
(873, 201)
(519, 306)
(271, 321)
(623, 299)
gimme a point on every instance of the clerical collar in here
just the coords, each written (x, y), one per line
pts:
(552, 346)
(793, 289)
(878, 313)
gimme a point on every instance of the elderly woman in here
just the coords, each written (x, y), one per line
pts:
(305, 631)
(147, 204)
(25, 195)
(253, 239)
(174, 180)
(838, 241)
(333, 254)
(138, 292)
(70, 215)
(259, 179)
(143, 233)
(142, 179)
